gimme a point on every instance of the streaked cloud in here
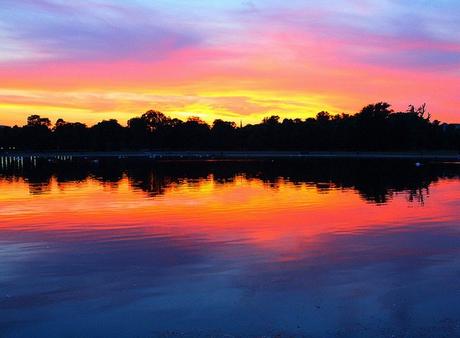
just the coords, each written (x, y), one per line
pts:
(228, 58)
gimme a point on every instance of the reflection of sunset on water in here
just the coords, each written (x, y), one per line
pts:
(243, 209)
(145, 248)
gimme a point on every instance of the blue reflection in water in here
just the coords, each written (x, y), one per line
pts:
(376, 282)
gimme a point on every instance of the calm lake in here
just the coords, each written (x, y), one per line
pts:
(136, 248)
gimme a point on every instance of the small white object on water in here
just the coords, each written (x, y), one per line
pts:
(418, 164)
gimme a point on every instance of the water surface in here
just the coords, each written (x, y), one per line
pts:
(118, 248)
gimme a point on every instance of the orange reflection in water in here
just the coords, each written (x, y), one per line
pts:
(283, 216)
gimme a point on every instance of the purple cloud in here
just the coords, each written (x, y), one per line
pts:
(91, 31)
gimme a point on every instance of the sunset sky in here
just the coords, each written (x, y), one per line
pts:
(231, 59)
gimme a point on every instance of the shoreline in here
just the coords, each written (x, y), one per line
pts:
(203, 155)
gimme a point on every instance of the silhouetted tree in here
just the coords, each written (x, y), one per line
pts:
(37, 121)
(138, 133)
(36, 134)
(70, 136)
(107, 135)
(155, 119)
(223, 134)
(375, 127)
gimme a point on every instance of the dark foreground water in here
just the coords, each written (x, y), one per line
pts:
(220, 249)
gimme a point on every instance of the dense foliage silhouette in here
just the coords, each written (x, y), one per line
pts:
(375, 127)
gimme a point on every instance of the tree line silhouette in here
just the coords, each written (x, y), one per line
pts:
(375, 127)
